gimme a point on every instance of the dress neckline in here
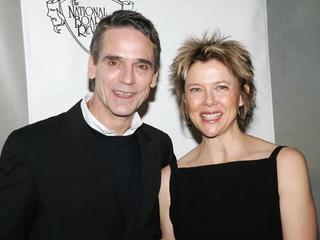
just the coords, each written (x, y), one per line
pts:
(237, 162)
(272, 155)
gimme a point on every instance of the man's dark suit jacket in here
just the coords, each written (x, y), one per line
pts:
(53, 185)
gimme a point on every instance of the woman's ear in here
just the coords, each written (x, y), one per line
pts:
(246, 88)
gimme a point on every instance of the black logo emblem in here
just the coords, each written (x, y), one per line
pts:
(80, 17)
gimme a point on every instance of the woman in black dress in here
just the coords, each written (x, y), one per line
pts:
(232, 185)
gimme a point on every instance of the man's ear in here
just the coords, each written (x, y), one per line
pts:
(247, 90)
(154, 79)
(91, 68)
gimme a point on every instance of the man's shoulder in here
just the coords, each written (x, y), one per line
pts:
(161, 141)
(42, 125)
(154, 134)
(153, 130)
(45, 127)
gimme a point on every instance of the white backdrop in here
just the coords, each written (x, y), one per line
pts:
(56, 65)
(13, 97)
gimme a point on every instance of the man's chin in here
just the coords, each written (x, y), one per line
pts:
(124, 114)
(124, 111)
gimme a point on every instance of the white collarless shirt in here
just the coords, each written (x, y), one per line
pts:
(98, 126)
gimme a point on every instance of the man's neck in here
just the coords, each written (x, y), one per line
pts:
(110, 121)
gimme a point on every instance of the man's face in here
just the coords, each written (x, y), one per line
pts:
(123, 73)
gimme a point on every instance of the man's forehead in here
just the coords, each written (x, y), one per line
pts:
(126, 39)
(115, 31)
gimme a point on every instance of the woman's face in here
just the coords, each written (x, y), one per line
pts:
(212, 98)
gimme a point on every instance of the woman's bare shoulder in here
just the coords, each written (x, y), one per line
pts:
(257, 148)
(290, 159)
(292, 170)
(188, 159)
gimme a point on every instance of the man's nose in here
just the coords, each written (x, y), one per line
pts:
(128, 75)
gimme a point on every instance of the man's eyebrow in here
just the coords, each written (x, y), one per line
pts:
(139, 60)
(145, 61)
(111, 57)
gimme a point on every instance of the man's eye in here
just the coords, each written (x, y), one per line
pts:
(143, 67)
(112, 62)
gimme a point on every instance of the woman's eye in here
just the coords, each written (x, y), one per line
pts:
(222, 87)
(195, 89)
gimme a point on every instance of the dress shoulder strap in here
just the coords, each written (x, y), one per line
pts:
(275, 152)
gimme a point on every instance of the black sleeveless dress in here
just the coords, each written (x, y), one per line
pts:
(234, 200)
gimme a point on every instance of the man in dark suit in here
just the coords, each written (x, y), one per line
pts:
(92, 172)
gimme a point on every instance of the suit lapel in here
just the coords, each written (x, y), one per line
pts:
(149, 182)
